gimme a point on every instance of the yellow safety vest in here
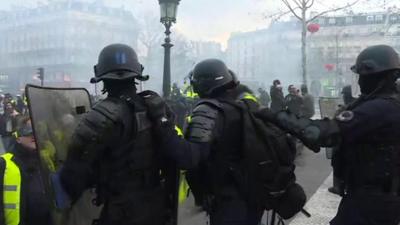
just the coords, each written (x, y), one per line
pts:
(183, 185)
(11, 191)
(249, 96)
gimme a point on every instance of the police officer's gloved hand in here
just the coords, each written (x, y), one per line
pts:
(289, 122)
(155, 104)
(160, 113)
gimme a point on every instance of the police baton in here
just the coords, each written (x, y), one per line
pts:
(305, 213)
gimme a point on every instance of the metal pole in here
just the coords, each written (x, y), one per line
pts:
(167, 61)
(42, 80)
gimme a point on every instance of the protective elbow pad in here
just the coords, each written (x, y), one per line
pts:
(201, 126)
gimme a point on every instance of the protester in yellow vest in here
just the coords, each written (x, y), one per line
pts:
(183, 190)
(23, 201)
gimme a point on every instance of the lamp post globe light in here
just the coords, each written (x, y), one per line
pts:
(168, 11)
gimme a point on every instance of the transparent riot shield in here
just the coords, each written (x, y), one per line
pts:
(55, 112)
(328, 106)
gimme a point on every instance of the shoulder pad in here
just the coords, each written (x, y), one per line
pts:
(110, 108)
(209, 101)
(206, 110)
(201, 126)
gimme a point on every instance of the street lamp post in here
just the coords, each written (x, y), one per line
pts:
(168, 11)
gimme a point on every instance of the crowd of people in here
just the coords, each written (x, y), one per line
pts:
(298, 101)
(11, 107)
(235, 148)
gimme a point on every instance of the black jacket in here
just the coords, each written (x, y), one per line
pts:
(34, 206)
(112, 149)
(277, 99)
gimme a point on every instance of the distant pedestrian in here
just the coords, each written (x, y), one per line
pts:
(20, 105)
(277, 98)
(7, 125)
(264, 97)
(315, 88)
(347, 95)
(307, 109)
(293, 101)
(1, 104)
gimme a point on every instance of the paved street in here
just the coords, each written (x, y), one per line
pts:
(313, 172)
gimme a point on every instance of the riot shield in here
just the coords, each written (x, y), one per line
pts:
(55, 112)
(328, 106)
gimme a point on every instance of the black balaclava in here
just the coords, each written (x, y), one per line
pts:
(116, 88)
(380, 83)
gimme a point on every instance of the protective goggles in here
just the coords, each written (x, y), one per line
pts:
(24, 131)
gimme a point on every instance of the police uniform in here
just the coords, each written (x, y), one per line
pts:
(113, 148)
(367, 137)
(212, 143)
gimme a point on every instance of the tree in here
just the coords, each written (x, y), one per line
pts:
(150, 39)
(151, 33)
(299, 9)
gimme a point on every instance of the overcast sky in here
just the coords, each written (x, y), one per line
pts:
(214, 19)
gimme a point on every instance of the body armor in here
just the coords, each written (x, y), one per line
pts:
(371, 165)
(220, 126)
(116, 138)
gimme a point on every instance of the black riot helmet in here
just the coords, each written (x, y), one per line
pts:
(118, 62)
(211, 75)
(376, 59)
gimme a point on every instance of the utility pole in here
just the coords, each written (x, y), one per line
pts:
(40, 72)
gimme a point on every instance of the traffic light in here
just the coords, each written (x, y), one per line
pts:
(40, 72)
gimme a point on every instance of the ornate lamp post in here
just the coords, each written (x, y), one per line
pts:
(169, 10)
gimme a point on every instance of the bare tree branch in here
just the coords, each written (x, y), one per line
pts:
(298, 3)
(332, 10)
(311, 4)
(292, 10)
(277, 16)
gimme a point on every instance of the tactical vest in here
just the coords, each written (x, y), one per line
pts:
(214, 176)
(372, 165)
(11, 191)
(130, 178)
(133, 160)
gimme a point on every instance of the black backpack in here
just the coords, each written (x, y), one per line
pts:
(265, 174)
(267, 168)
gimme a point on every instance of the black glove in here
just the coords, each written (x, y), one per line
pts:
(156, 105)
(267, 115)
(289, 123)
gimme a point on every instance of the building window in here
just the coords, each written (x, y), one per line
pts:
(321, 21)
(393, 18)
(349, 20)
(332, 21)
(370, 18)
(379, 17)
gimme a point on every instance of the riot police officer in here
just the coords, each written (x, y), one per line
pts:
(368, 138)
(113, 148)
(213, 141)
